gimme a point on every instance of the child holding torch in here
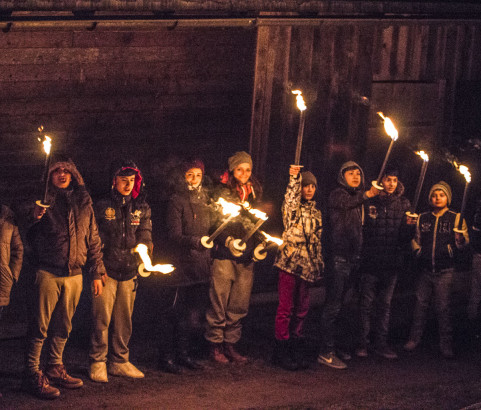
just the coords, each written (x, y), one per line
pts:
(436, 245)
(124, 219)
(346, 218)
(232, 270)
(300, 263)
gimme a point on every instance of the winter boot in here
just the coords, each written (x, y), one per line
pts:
(39, 385)
(283, 356)
(233, 355)
(58, 376)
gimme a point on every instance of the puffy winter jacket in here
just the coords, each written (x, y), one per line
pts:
(301, 252)
(11, 254)
(386, 231)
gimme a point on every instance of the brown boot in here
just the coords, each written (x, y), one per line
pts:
(233, 355)
(38, 385)
(217, 354)
(57, 374)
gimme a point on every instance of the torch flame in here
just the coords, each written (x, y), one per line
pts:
(389, 127)
(299, 100)
(228, 208)
(423, 155)
(142, 250)
(47, 144)
(258, 214)
(269, 238)
(465, 171)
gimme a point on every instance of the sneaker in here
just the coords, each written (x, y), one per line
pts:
(126, 369)
(386, 352)
(39, 385)
(58, 376)
(98, 372)
(330, 359)
(362, 352)
(410, 345)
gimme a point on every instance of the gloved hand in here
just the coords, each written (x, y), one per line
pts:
(229, 243)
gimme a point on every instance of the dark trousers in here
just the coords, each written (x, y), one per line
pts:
(340, 285)
(178, 323)
(438, 284)
(293, 306)
(378, 291)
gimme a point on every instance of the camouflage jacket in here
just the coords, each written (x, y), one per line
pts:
(301, 253)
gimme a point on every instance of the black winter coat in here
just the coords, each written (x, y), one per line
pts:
(386, 232)
(124, 222)
(189, 218)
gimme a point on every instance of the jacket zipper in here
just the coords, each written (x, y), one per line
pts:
(434, 244)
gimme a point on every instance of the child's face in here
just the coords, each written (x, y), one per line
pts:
(389, 182)
(242, 172)
(439, 199)
(353, 177)
(308, 191)
(61, 178)
(124, 185)
(193, 177)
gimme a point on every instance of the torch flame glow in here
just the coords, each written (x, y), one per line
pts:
(258, 214)
(47, 144)
(228, 208)
(142, 250)
(423, 155)
(299, 100)
(389, 127)
(269, 238)
(464, 170)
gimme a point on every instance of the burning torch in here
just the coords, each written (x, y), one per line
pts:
(467, 176)
(228, 208)
(260, 251)
(47, 146)
(146, 268)
(393, 133)
(302, 119)
(240, 244)
(412, 212)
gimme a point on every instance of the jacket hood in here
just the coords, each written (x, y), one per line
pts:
(342, 181)
(125, 165)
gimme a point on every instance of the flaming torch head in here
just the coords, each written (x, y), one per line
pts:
(258, 214)
(269, 238)
(47, 144)
(299, 100)
(423, 155)
(465, 171)
(228, 208)
(389, 127)
(142, 250)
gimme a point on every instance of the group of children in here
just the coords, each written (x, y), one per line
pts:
(365, 233)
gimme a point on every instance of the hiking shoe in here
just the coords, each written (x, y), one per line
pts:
(126, 369)
(38, 385)
(386, 352)
(58, 376)
(362, 352)
(410, 345)
(330, 359)
(98, 372)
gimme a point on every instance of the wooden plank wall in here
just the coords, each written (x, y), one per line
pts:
(409, 70)
(99, 94)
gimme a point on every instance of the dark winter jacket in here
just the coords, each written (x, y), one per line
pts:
(346, 217)
(124, 222)
(189, 218)
(11, 254)
(434, 241)
(386, 232)
(301, 252)
(237, 227)
(66, 238)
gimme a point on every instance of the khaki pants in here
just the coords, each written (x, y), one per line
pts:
(114, 306)
(56, 299)
(229, 293)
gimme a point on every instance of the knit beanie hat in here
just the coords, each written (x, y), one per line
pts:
(442, 186)
(308, 178)
(240, 157)
(192, 163)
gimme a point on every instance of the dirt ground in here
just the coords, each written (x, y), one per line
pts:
(417, 380)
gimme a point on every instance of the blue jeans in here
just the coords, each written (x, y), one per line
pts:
(439, 284)
(381, 289)
(339, 284)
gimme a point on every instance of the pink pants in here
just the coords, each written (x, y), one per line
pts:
(293, 306)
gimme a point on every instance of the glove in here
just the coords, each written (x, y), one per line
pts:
(229, 243)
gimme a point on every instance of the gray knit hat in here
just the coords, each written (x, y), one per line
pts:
(240, 157)
(308, 178)
(442, 186)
